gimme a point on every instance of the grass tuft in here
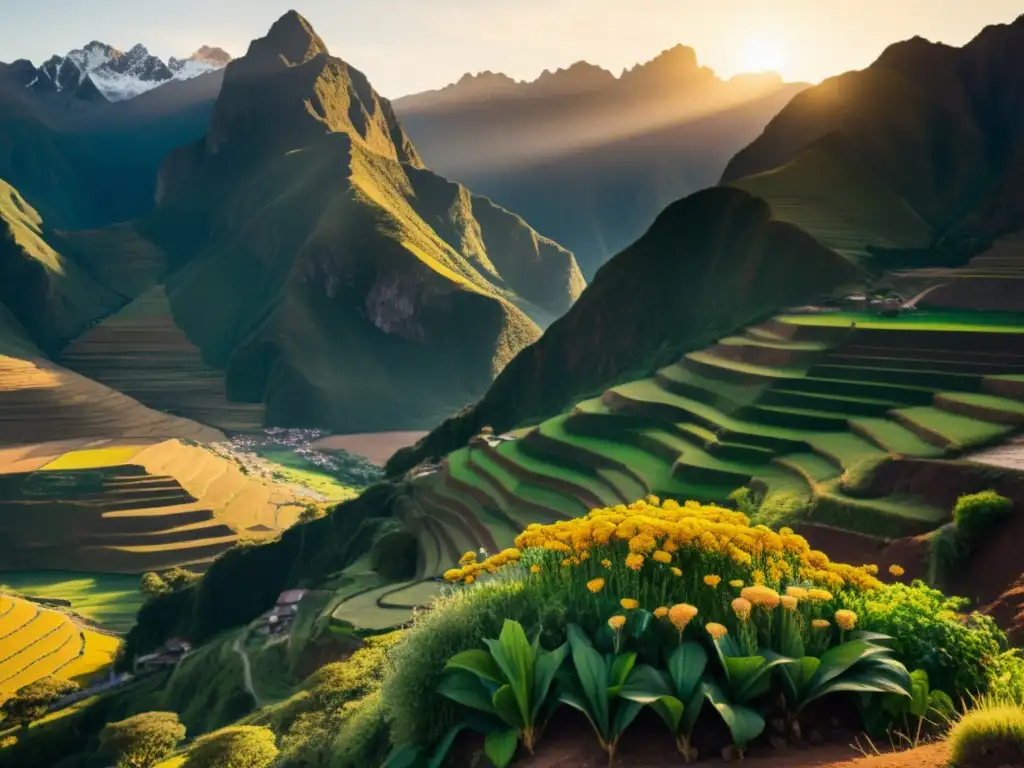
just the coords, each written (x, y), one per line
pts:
(991, 732)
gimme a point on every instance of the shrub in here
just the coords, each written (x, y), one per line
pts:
(364, 737)
(457, 622)
(946, 555)
(957, 652)
(991, 733)
(781, 508)
(143, 740)
(857, 480)
(978, 514)
(245, 746)
(32, 701)
(747, 500)
(311, 720)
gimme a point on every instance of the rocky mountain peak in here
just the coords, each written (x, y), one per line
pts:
(291, 40)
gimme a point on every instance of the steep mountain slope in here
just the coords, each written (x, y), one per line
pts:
(922, 147)
(589, 158)
(710, 263)
(316, 263)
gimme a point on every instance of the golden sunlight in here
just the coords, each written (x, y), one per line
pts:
(763, 55)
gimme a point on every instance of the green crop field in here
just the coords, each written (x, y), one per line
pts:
(292, 468)
(975, 322)
(109, 599)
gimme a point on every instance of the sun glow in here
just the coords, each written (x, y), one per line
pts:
(764, 55)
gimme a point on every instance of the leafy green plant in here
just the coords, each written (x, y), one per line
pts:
(511, 682)
(596, 686)
(861, 665)
(977, 514)
(412, 756)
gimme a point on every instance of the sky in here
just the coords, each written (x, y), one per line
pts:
(405, 46)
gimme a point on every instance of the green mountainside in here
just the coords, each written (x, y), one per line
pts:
(911, 162)
(920, 149)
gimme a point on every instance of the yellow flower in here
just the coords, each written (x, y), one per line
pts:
(896, 570)
(712, 581)
(466, 559)
(662, 556)
(661, 612)
(628, 603)
(455, 574)
(617, 622)
(534, 568)
(846, 619)
(680, 615)
(789, 602)
(717, 631)
(469, 579)
(821, 624)
(606, 563)
(677, 571)
(634, 562)
(595, 585)
(741, 607)
(566, 563)
(819, 594)
(737, 583)
(757, 577)
(761, 595)
(798, 592)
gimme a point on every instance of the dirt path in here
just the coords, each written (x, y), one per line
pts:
(246, 667)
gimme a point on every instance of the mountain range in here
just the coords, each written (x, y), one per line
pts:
(299, 256)
(588, 157)
(915, 161)
(99, 72)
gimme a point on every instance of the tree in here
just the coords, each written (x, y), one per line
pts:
(33, 700)
(142, 741)
(178, 579)
(246, 746)
(151, 585)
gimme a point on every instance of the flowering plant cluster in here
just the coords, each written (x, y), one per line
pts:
(683, 608)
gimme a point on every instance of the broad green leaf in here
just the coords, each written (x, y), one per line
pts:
(620, 669)
(408, 756)
(792, 643)
(577, 702)
(837, 660)
(871, 680)
(692, 709)
(625, 713)
(645, 685)
(670, 710)
(479, 662)
(504, 702)
(500, 747)
(729, 646)
(592, 675)
(686, 666)
(761, 682)
(919, 690)
(795, 677)
(440, 753)
(638, 623)
(467, 690)
(513, 654)
(744, 723)
(872, 637)
(941, 709)
(741, 669)
(544, 670)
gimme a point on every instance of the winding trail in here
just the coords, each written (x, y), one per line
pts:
(246, 667)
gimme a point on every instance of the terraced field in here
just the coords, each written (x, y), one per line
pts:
(142, 352)
(42, 402)
(790, 408)
(36, 642)
(166, 503)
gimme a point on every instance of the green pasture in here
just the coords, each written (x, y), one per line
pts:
(109, 599)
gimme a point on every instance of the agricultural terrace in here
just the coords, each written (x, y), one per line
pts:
(36, 642)
(130, 507)
(798, 410)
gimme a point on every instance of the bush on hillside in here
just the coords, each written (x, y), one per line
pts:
(142, 741)
(947, 552)
(978, 514)
(310, 721)
(634, 580)
(363, 738)
(244, 746)
(33, 700)
(991, 733)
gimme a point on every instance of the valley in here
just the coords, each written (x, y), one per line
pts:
(344, 431)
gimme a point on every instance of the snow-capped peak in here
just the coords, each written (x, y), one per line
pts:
(119, 76)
